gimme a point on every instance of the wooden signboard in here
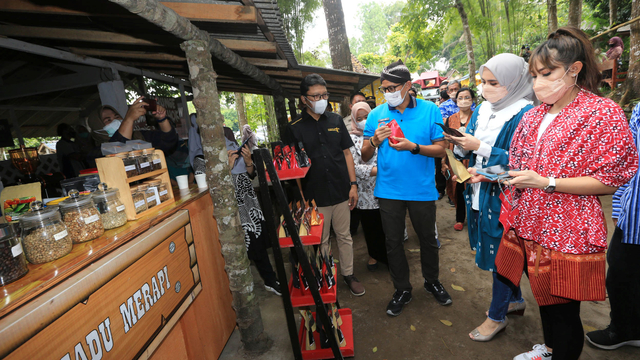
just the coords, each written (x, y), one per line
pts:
(120, 319)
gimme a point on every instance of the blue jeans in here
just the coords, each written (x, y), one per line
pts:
(504, 293)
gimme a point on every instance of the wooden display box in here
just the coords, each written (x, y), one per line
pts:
(111, 172)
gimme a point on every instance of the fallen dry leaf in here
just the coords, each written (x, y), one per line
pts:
(446, 322)
(413, 328)
(414, 250)
(453, 269)
(336, 261)
(457, 288)
(375, 349)
(588, 328)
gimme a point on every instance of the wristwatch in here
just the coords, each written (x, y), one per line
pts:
(354, 183)
(551, 187)
(416, 150)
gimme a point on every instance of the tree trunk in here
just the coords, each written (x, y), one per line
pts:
(575, 13)
(632, 83)
(242, 116)
(613, 12)
(293, 111)
(338, 40)
(471, 59)
(281, 114)
(272, 123)
(552, 16)
(221, 188)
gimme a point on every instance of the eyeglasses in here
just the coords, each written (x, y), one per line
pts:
(453, 91)
(392, 88)
(324, 96)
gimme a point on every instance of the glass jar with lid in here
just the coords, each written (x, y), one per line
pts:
(163, 192)
(144, 165)
(158, 188)
(81, 217)
(44, 235)
(13, 264)
(139, 202)
(150, 195)
(111, 209)
(156, 163)
(130, 166)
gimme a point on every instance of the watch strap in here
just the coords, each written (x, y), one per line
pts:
(354, 183)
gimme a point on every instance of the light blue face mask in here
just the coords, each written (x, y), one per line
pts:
(112, 127)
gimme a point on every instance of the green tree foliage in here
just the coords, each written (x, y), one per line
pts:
(374, 27)
(297, 15)
(601, 10)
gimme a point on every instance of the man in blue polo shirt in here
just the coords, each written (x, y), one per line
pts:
(406, 180)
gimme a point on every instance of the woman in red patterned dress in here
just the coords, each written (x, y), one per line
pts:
(570, 149)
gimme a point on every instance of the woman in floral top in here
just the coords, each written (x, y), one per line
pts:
(571, 149)
(367, 203)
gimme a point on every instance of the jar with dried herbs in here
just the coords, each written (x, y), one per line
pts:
(149, 195)
(130, 166)
(81, 217)
(13, 264)
(111, 209)
(156, 163)
(44, 236)
(163, 192)
(144, 165)
(139, 202)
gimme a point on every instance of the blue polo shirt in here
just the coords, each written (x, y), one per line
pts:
(402, 175)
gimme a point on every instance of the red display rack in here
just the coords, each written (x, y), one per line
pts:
(300, 297)
(315, 238)
(319, 353)
(289, 174)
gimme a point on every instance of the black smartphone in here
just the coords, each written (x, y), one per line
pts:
(450, 131)
(239, 152)
(153, 104)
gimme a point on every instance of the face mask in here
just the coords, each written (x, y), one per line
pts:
(550, 91)
(360, 125)
(444, 95)
(464, 103)
(319, 106)
(112, 127)
(493, 94)
(395, 98)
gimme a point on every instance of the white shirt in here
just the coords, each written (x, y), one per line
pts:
(488, 128)
(546, 121)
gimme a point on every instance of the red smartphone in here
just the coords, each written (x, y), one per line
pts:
(153, 104)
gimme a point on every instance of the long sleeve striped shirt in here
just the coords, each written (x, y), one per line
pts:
(626, 200)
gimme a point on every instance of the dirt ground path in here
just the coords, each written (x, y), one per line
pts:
(392, 338)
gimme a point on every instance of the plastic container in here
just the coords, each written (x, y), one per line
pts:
(13, 264)
(44, 235)
(111, 209)
(139, 144)
(156, 163)
(139, 202)
(81, 217)
(111, 148)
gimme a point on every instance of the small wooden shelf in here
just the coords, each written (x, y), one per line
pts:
(147, 175)
(111, 171)
(319, 353)
(300, 297)
(315, 237)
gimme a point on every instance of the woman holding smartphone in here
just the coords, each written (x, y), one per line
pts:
(569, 150)
(506, 85)
(465, 98)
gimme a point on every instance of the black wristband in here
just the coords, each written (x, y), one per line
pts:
(161, 120)
(354, 183)
(416, 150)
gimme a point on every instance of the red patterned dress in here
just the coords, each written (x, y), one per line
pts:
(564, 236)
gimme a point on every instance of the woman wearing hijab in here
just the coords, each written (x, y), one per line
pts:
(616, 47)
(251, 217)
(507, 87)
(366, 176)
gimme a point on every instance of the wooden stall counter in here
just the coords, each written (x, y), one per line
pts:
(154, 288)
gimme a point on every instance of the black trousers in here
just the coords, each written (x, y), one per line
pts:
(562, 329)
(623, 286)
(423, 218)
(461, 206)
(355, 221)
(374, 234)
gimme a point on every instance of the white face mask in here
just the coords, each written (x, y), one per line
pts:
(112, 127)
(464, 103)
(360, 125)
(395, 98)
(319, 106)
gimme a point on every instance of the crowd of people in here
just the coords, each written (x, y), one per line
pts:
(560, 146)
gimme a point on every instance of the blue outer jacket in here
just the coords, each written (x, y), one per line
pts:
(485, 233)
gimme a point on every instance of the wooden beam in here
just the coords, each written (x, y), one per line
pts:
(72, 35)
(193, 11)
(268, 63)
(249, 45)
(144, 64)
(300, 75)
(127, 54)
(616, 28)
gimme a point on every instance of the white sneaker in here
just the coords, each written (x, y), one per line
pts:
(539, 352)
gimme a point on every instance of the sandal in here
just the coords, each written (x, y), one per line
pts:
(476, 336)
(458, 226)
